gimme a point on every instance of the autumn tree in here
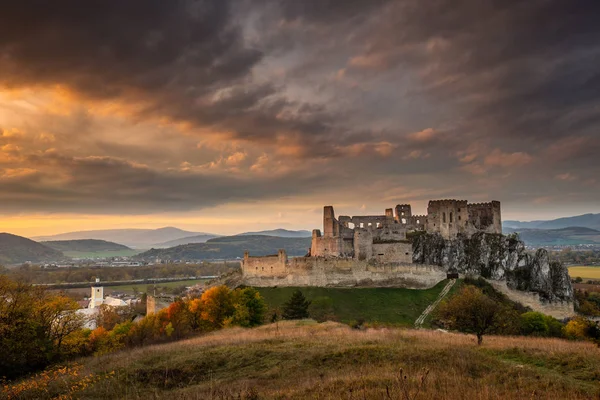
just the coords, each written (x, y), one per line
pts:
(296, 307)
(217, 305)
(471, 311)
(33, 325)
(250, 307)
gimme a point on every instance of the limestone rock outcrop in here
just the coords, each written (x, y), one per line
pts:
(497, 257)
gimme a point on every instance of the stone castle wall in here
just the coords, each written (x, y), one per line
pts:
(274, 265)
(340, 272)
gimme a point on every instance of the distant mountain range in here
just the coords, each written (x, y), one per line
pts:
(570, 236)
(279, 233)
(17, 249)
(85, 245)
(136, 238)
(228, 247)
(585, 221)
(158, 238)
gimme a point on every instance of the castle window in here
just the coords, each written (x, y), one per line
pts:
(362, 225)
(459, 210)
(444, 217)
(404, 220)
(406, 253)
(459, 217)
(451, 217)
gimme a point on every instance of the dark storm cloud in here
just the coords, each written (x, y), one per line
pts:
(378, 89)
(183, 59)
(102, 47)
(519, 65)
(107, 185)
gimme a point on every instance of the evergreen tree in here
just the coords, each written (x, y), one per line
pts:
(296, 307)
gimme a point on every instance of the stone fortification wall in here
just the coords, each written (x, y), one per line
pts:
(393, 252)
(340, 272)
(274, 265)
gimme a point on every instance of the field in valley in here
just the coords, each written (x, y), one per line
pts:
(384, 305)
(585, 272)
(133, 288)
(302, 360)
(102, 254)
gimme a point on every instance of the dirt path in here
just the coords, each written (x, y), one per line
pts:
(432, 306)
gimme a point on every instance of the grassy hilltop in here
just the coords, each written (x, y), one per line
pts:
(300, 360)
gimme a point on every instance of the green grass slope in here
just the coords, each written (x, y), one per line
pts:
(17, 249)
(230, 247)
(385, 305)
(304, 360)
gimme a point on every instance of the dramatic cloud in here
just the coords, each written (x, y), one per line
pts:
(143, 106)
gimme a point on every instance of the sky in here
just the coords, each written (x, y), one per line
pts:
(227, 116)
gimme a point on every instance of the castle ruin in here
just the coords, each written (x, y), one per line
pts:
(383, 238)
(374, 248)
(398, 249)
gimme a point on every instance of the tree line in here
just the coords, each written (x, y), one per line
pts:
(480, 310)
(39, 328)
(38, 274)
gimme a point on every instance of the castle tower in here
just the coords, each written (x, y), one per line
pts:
(403, 213)
(97, 296)
(331, 226)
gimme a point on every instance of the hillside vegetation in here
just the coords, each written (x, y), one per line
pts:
(229, 247)
(16, 249)
(300, 360)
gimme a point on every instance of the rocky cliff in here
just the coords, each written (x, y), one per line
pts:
(498, 257)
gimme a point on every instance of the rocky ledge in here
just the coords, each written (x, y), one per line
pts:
(498, 257)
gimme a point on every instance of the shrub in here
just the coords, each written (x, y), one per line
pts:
(534, 324)
(321, 309)
(296, 307)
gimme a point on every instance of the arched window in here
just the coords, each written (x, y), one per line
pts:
(444, 217)
(450, 216)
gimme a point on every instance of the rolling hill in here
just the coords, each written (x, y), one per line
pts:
(279, 233)
(90, 248)
(136, 238)
(230, 247)
(17, 249)
(557, 237)
(202, 238)
(591, 221)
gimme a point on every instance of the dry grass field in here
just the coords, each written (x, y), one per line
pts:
(585, 272)
(305, 360)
